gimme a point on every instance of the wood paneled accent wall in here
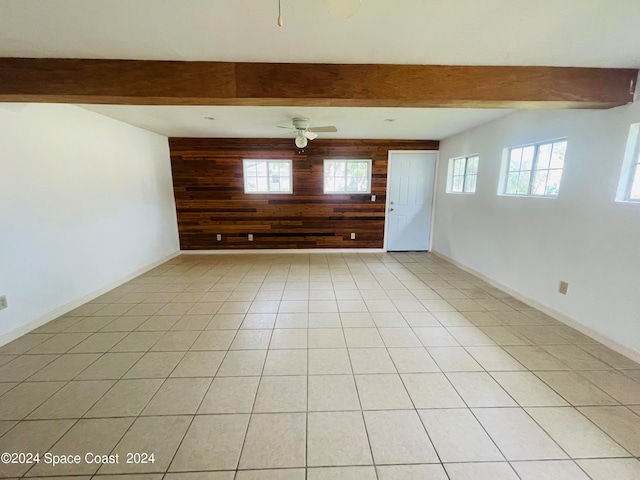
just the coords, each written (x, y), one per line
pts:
(210, 198)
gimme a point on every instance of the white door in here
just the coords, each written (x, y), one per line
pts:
(410, 198)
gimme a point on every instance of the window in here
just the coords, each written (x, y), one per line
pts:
(267, 176)
(347, 176)
(463, 173)
(629, 188)
(535, 170)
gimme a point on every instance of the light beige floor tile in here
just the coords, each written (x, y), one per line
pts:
(124, 324)
(341, 473)
(435, 337)
(535, 358)
(281, 394)
(274, 440)
(137, 342)
(235, 307)
(389, 320)
(288, 474)
(25, 343)
(199, 364)
(576, 434)
(480, 471)
(363, 338)
(251, 340)
(549, 470)
(326, 338)
(371, 360)
(453, 319)
(517, 435)
(60, 343)
(478, 389)
(607, 469)
(575, 388)
(431, 390)
(411, 472)
(617, 385)
(399, 337)
(229, 321)
(609, 356)
(470, 336)
(398, 437)
(73, 400)
(110, 366)
(126, 398)
(352, 306)
(242, 363)
(65, 367)
(6, 386)
(329, 361)
(214, 340)
(90, 324)
(175, 341)
(178, 396)
(26, 397)
(382, 392)
(356, 320)
(288, 338)
(576, 358)
(332, 393)
(337, 438)
(99, 342)
(34, 437)
(483, 319)
(458, 437)
(160, 435)
(318, 318)
(213, 442)
(619, 423)
(421, 319)
(528, 390)
(192, 322)
(292, 320)
(228, 475)
(541, 335)
(95, 436)
(155, 365)
(145, 309)
(160, 323)
(259, 321)
(454, 359)
(286, 362)
(412, 360)
(230, 395)
(494, 359)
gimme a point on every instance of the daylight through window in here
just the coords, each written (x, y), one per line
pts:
(463, 174)
(267, 176)
(347, 176)
(535, 170)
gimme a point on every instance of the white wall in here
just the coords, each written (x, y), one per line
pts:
(529, 244)
(84, 202)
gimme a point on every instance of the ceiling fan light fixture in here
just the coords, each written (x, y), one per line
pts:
(301, 141)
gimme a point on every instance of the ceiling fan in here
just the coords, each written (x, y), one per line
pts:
(304, 133)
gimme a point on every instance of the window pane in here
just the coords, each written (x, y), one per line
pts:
(527, 158)
(514, 159)
(457, 183)
(539, 182)
(285, 184)
(470, 184)
(329, 184)
(340, 185)
(458, 166)
(523, 183)
(544, 155)
(262, 168)
(262, 184)
(634, 194)
(557, 154)
(472, 166)
(252, 185)
(512, 183)
(553, 182)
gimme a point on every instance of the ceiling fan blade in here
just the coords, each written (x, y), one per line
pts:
(330, 129)
(282, 126)
(310, 135)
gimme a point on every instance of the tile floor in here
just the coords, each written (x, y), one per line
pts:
(318, 367)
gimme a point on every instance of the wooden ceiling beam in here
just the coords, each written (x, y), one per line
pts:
(151, 82)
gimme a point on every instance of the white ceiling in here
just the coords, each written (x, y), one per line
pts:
(592, 33)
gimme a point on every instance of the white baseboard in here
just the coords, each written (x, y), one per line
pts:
(561, 317)
(270, 251)
(66, 308)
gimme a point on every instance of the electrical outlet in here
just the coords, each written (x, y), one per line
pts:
(353, 236)
(373, 198)
(564, 286)
(218, 237)
(250, 237)
(3, 302)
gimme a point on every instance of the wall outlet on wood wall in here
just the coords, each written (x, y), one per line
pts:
(218, 237)
(250, 237)
(353, 236)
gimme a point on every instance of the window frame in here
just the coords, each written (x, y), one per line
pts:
(346, 161)
(532, 171)
(465, 175)
(268, 161)
(630, 167)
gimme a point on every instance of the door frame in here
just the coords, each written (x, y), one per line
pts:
(388, 199)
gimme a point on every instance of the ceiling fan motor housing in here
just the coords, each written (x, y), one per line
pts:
(301, 123)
